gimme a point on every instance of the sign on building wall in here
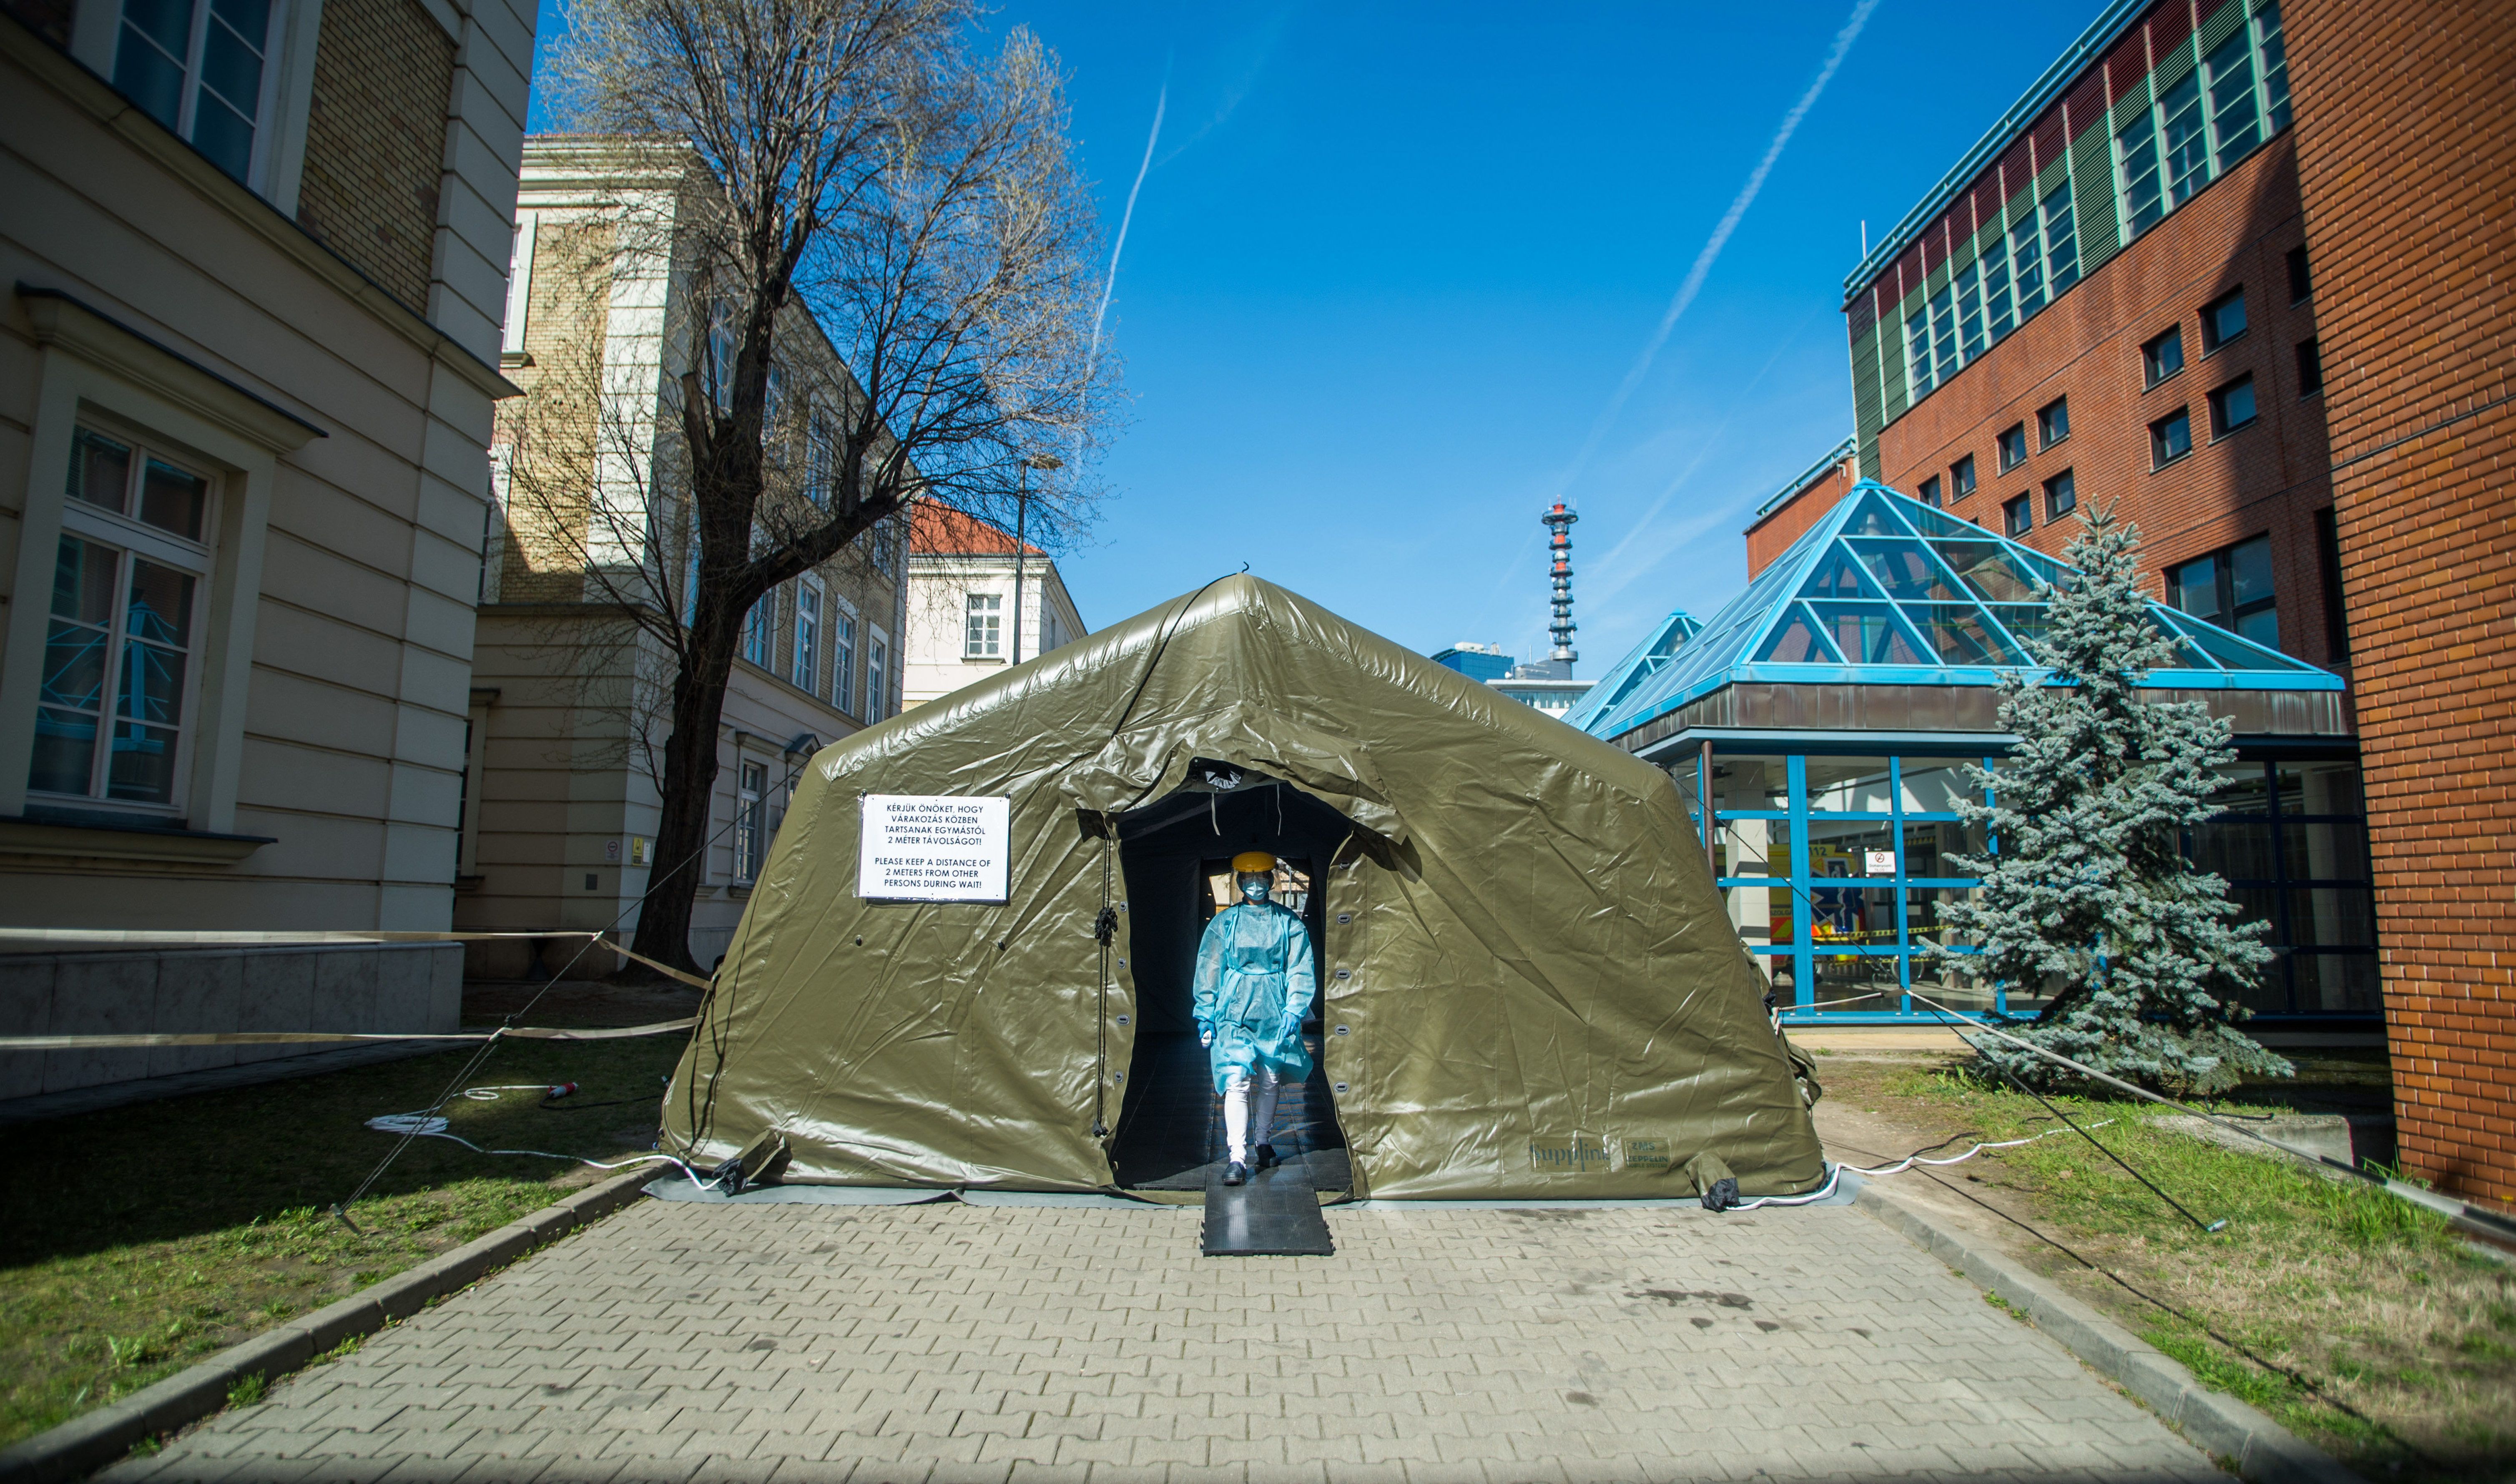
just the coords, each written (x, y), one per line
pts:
(922, 847)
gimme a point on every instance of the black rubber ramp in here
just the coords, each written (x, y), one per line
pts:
(1276, 1215)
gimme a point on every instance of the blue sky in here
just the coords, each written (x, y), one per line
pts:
(1392, 264)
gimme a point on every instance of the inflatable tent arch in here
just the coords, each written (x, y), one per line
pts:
(1538, 990)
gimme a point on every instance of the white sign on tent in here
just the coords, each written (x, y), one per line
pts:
(923, 847)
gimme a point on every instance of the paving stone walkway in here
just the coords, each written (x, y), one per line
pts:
(952, 1343)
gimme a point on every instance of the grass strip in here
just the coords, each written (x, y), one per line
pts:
(2405, 1337)
(160, 1233)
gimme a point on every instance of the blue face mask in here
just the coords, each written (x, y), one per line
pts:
(1254, 887)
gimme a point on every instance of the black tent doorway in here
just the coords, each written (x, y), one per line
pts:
(1169, 1135)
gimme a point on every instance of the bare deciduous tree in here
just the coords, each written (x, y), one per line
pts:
(885, 283)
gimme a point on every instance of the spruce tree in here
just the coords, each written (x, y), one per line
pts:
(2088, 891)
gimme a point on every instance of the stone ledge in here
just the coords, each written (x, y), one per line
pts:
(2264, 1450)
(83, 1444)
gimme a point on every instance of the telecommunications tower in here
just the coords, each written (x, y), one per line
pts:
(1559, 550)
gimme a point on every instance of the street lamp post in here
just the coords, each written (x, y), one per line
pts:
(1022, 537)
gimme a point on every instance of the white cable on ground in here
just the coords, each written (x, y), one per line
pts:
(1833, 1176)
(1912, 1160)
(1835, 1172)
(425, 1125)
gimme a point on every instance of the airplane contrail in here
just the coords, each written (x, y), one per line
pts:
(1162, 102)
(1704, 261)
(1642, 524)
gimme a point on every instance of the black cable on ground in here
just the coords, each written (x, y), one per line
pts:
(2303, 1382)
(2015, 1082)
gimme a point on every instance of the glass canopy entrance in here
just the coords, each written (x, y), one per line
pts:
(1821, 726)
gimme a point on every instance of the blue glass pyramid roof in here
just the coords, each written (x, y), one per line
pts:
(1648, 658)
(1885, 590)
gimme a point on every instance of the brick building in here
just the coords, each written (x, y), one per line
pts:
(2406, 154)
(2212, 268)
(247, 369)
(1800, 504)
(2111, 301)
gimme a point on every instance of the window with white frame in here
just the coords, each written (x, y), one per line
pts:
(2270, 46)
(116, 701)
(822, 457)
(750, 830)
(1969, 287)
(1990, 297)
(721, 350)
(202, 68)
(1918, 355)
(520, 280)
(982, 636)
(776, 434)
(2184, 149)
(2061, 240)
(877, 676)
(2144, 200)
(758, 627)
(691, 552)
(843, 661)
(2236, 113)
(1944, 336)
(2000, 297)
(807, 668)
(2026, 266)
(2199, 127)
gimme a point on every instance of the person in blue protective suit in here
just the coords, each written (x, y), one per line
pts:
(1254, 984)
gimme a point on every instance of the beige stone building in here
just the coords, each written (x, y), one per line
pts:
(568, 689)
(256, 256)
(962, 603)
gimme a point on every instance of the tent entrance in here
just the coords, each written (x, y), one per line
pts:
(1174, 851)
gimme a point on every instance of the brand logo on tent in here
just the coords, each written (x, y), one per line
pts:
(1574, 1156)
(1581, 1154)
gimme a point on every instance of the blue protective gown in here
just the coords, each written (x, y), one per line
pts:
(1254, 984)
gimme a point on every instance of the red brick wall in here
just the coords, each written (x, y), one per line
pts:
(2268, 476)
(1774, 532)
(2407, 117)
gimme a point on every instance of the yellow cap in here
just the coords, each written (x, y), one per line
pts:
(1252, 860)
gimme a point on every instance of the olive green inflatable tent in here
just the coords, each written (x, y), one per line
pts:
(1528, 985)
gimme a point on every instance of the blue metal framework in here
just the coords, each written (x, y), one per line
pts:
(1646, 660)
(1887, 591)
(1799, 966)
